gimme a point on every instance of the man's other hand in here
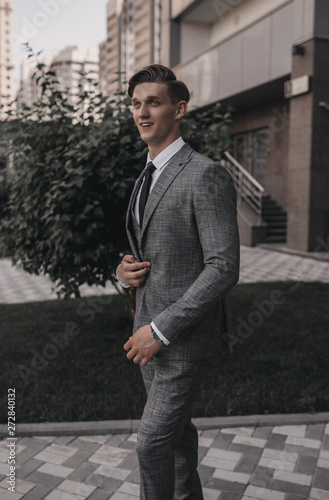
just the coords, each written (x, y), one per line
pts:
(142, 345)
(131, 272)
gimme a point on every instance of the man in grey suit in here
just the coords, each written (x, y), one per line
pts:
(182, 228)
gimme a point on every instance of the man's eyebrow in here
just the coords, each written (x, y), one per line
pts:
(147, 98)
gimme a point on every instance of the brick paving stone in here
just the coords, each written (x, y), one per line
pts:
(321, 479)
(44, 479)
(62, 495)
(324, 454)
(292, 496)
(325, 443)
(249, 450)
(249, 441)
(237, 477)
(122, 496)
(26, 455)
(38, 493)
(247, 464)
(307, 443)
(283, 455)
(318, 494)
(109, 483)
(262, 477)
(323, 463)
(263, 494)
(210, 433)
(96, 439)
(210, 494)
(223, 441)
(101, 494)
(55, 470)
(288, 487)
(225, 486)
(82, 472)
(276, 442)
(115, 472)
(130, 489)
(84, 445)
(315, 431)
(76, 460)
(10, 495)
(134, 476)
(52, 458)
(205, 473)
(131, 462)
(117, 439)
(276, 464)
(262, 432)
(229, 496)
(307, 465)
(27, 468)
(290, 430)
(239, 431)
(218, 463)
(293, 477)
(76, 488)
(37, 444)
(64, 440)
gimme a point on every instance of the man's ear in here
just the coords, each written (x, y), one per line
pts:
(181, 109)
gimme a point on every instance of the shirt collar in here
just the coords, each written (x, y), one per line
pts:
(162, 158)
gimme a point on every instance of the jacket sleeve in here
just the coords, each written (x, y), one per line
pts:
(214, 202)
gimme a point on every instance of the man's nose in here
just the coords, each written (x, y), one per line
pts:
(143, 110)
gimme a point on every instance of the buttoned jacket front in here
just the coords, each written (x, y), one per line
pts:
(190, 236)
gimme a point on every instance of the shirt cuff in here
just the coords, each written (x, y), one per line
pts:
(162, 337)
(120, 282)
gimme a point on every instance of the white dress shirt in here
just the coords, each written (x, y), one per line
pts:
(160, 162)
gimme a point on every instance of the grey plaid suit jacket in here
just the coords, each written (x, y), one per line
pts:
(190, 236)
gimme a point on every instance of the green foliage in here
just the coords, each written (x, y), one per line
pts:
(74, 169)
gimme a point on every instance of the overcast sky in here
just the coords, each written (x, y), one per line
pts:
(55, 24)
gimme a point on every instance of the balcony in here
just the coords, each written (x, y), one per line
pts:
(252, 56)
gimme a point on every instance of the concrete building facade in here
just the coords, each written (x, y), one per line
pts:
(71, 64)
(270, 61)
(7, 82)
(133, 40)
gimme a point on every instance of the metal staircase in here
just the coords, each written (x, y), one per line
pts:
(249, 192)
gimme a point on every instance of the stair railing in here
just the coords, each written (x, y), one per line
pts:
(248, 189)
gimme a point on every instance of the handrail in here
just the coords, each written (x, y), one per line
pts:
(248, 188)
(244, 171)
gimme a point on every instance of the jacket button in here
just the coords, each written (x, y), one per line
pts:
(180, 164)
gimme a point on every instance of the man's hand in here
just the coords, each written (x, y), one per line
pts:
(131, 272)
(142, 345)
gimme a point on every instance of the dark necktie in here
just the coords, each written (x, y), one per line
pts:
(145, 190)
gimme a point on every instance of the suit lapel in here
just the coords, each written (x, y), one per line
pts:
(175, 165)
(129, 222)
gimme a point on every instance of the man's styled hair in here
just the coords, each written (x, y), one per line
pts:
(156, 73)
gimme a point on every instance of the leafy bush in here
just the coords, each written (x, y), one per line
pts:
(74, 169)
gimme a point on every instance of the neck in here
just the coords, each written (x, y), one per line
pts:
(156, 149)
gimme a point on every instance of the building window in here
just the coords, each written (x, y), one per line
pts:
(250, 149)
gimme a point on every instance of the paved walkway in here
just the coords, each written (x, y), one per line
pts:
(257, 264)
(247, 458)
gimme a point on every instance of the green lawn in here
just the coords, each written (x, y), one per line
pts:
(279, 362)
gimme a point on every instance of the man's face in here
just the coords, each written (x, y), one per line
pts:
(157, 119)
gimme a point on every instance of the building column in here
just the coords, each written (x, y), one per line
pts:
(308, 175)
